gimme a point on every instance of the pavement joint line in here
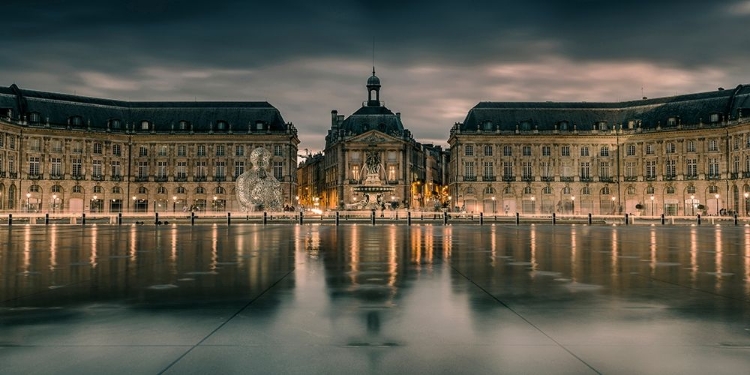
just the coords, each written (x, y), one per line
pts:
(525, 320)
(227, 321)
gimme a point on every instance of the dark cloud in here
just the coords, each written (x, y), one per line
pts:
(436, 59)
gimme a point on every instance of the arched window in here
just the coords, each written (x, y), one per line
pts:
(691, 189)
(650, 190)
(507, 190)
(605, 191)
(566, 190)
(713, 189)
(586, 190)
(161, 190)
(527, 190)
(35, 188)
(98, 189)
(180, 190)
(142, 190)
(116, 190)
(200, 190)
(470, 190)
(77, 189)
(631, 190)
(56, 189)
(547, 190)
(219, 190)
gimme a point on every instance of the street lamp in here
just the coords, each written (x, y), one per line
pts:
(174, 203)
(717, 204)
(493, 204)
(533, 205)
(134, 208)
(613, 205)
(28, 202)
(215, 209)
(652, 205)
(746, 196)
(54, 202)
(692, 202)
(94, 204)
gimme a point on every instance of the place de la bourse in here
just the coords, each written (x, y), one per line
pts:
(683, 155)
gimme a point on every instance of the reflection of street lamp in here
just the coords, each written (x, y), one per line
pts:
(94, 204)
(652, 205)
(533, 205)
(28, 202)
(573, 204)
(746, 196)
(54, 202)
(717, 204)
(692, 202)
(613, 204)
(134, 208)
(215, 209)
(174, 203)
(493, 204)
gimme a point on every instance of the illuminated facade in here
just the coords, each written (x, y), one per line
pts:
(682, 155)
(70, 153)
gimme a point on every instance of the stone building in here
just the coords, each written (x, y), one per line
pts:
(371, 160)
(71, 153)
(681, 155)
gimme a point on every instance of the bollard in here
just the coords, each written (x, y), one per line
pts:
(83, 219)
(627, 222)
(481, 218)
(699, 219)
(156, 218)
(518, 219)
(589, 218)
(265, 217)
(662, 219)
(408, 218)
(445, 218)
(735, 219)
(337, 218)
(554, 218)
(229, 218)
(421, 216)
(10, 219)
(301, 217)
(119, 218)
(192, 218)
(46, 219)
(372, 217)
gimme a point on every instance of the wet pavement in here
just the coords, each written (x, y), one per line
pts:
(301, 299)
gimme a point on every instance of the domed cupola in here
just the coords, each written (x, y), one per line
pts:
(373, 90)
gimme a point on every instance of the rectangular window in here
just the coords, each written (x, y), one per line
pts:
(355, 172)
(604, 151)
(565, 151)
(690, 146)
(200, 169)
(584, 151)
(77, 169)
(143, 151)
(116, 149)
(181, 171)
(239, 150)
(651, 169)
(34, 144)
(526, 170)
(181, 150)
(469, 150)
(392, 156)
(692, 167)
(507, 151)
(585, 170)
(546, 151)
(278, 170)
(116, 170)
(713, 168)
(277, 150)
(508, 169)
(670, 148)
(489, 170)
(239, 168)
(736, 165)
(77, 147)
(220, 170)
(526, 150)
(630, 150)
(545, 169)
(96, 168)
(220, 150)
(630, 170)
(670, 168)
(649, 149)
(56, 146)
(469, 169)
(142, 169)
(56, 169)
(487, 150)
(201, 150)
(713, 145)
(97, 148)
(34, 165)
(604, 170)
(161, 169)
(163, 150)
(391, 173)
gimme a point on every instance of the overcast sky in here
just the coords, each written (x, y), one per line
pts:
(435, 59)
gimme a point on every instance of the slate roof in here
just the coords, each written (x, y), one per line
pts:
(373, 117)
(650, 113)
(59, 108)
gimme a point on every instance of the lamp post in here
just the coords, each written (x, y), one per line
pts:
(134, 207)
(573, 204)
(215, 209)
(652, 205)
(717, 204)
(174, 203)
(746, 196)
(28, 202)
(493, 204)
(533, 205)
(692, 202)
(613, 205)
(94, 204)
(54, 202)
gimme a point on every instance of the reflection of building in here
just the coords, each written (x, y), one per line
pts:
(72, 153)
(370, 154)
(677, 155)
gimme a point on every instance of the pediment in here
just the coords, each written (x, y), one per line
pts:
(374, 137)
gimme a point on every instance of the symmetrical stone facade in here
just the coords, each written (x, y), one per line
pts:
(683, 155)
(65, 153)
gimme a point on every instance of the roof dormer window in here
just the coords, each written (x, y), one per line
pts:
(602, 125)
(672, 121)
(221, 125)
(563, 125)
(183, 125)
(75, 121)
(714, 118)
(145, 125)
(35, 117)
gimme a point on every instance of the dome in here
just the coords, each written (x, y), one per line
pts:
(373, 80)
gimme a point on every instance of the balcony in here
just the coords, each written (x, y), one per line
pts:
(97, 177)
(691, 176)
(353, 181)
(2, 174)
(392, 182)
(745, 174)
(650, 178)
(631, 178)
(470, 178)
(587, 179)
(78, 177)
(489, 178)
(606, 179)
(13, 175)
(734, 175)
(160, 178)
(670, 178)
(220, 178)
(548, 178)
(115, 178)
(180, 179)
(56, 177)
(509, 178)
(713, 176)
(527, 178)
(199, 179)
(567, 179)
(141, 179)
(34, 176)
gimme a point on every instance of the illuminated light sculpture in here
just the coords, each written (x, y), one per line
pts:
(256, 188)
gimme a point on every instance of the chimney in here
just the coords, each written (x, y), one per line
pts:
(334, 117)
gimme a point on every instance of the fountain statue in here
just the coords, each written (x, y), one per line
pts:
(256, 188)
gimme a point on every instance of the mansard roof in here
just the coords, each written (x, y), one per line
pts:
(57, 110)
(647, 113)
(373, 118)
